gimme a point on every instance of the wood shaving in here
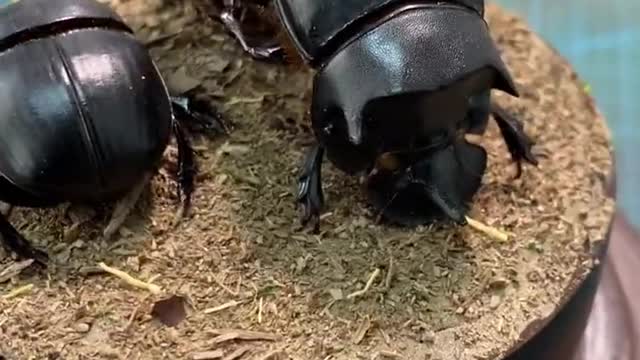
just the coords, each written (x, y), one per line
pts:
(367, 286)
(227, 305)
(387, 354)
(238, 353)
(18, 292)
(14, 270)
(273, 354)
(362, 332)
(154, 289)
(247, 335)
(488, 230)
(208, 355)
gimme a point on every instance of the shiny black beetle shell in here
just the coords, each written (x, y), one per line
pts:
(318, 29)
(86, 124)
(374, 50)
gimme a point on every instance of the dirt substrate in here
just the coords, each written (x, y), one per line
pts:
(441, 293)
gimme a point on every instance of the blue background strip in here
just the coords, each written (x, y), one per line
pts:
(602, 40)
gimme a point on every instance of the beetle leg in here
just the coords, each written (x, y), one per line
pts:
(310, 193)
(13, 241)
(123, 208)
(197, 113)
(186, 168)
(231, 20)
(518, 142)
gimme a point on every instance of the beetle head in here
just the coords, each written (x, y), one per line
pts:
(374, 92)
(414, 189)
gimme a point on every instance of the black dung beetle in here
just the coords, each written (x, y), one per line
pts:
(84, 113)
(403, 79)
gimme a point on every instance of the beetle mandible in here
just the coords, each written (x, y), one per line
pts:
(398, 84)
(85, 115)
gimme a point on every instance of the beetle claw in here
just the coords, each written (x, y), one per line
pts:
(198, 113)
(303, 188)
(518, 142)
(518, 170)
(186, 168)
(310, 194)
(274, 52)
(311, 200)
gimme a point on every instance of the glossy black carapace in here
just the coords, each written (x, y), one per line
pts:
(84, 113)
(406, 80)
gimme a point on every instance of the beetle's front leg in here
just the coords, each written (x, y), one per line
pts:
(13, 241)
(310, 193)
(231, 19)
(196, 114)
(186, 168)
(518, 142)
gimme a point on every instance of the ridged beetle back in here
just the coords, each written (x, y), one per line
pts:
(83, 109)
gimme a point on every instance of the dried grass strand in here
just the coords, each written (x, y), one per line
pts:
(488, 230)
(17, 292)
(154, 289)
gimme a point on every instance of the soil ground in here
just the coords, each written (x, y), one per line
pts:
(442, 292)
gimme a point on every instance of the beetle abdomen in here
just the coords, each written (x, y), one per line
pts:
(83, 111)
